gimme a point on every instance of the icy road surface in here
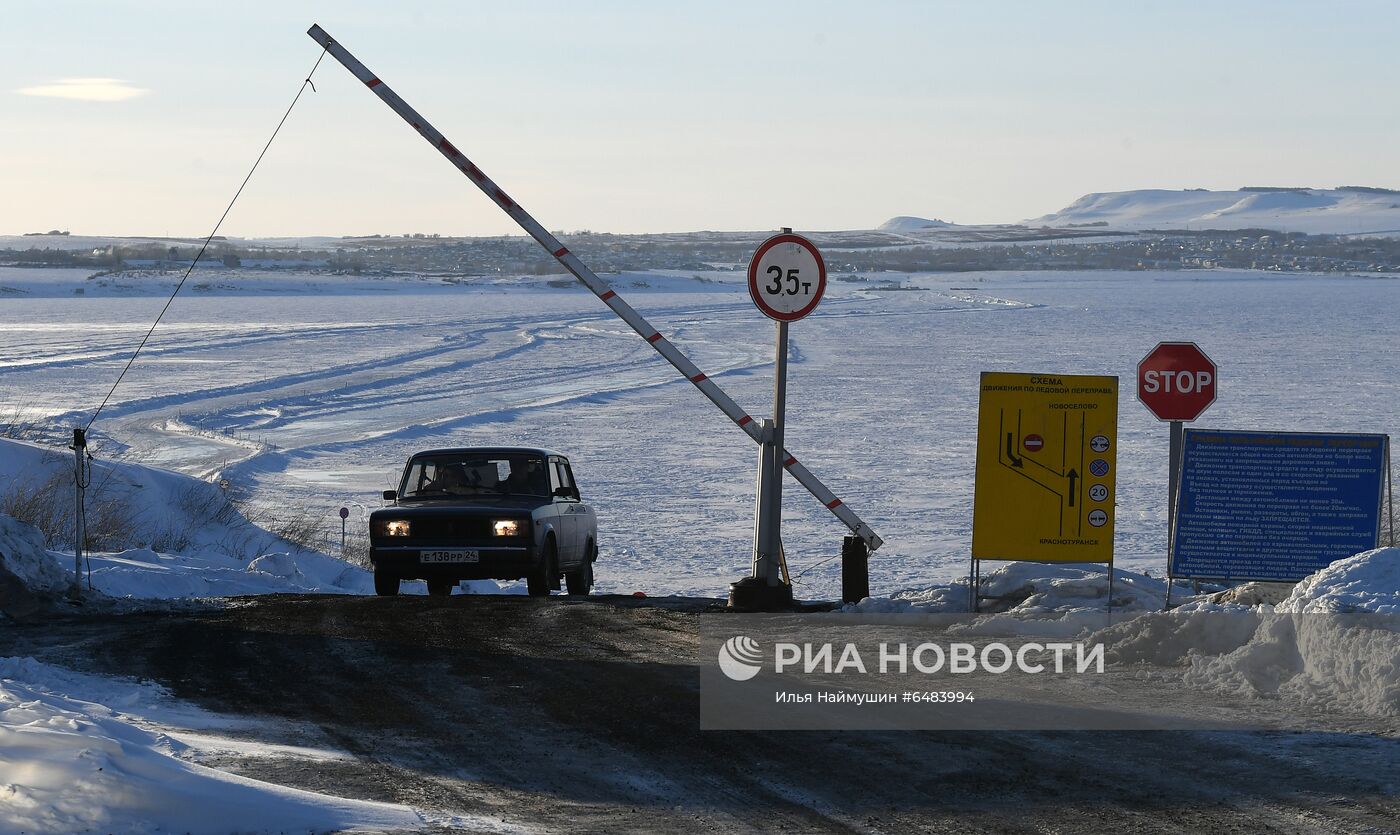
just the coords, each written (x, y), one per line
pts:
(515, 714)
(310, 392)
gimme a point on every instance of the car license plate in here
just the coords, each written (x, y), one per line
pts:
(456, 555)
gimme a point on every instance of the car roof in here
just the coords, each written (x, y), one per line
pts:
(490, 450)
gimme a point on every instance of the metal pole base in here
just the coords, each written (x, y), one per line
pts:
(855, 570)
(753, 594)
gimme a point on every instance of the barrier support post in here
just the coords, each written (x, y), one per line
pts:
(855, 570)
(764, 590)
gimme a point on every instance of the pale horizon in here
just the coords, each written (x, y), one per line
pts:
(142, 120)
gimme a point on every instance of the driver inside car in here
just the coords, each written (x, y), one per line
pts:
(451, 479)
(527, 480)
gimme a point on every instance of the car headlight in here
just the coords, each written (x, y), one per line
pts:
(506, 527)
(394, 527)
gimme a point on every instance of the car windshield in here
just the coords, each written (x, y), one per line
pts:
(475, 474)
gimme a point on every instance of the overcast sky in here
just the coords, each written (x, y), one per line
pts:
(141, 118)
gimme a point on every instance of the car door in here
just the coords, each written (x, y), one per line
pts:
(585, 521)
(566, 521)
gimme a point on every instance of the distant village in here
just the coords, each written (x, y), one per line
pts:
(968, 249)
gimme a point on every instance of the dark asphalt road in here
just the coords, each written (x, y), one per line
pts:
(581, 715)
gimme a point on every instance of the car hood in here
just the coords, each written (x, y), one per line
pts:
(473, 505)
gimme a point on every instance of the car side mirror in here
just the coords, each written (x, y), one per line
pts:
(566, 492)
(391, 495)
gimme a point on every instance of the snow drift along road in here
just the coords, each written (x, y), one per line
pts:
(71, 764)
(168, 537)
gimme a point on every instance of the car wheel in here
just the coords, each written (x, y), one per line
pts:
(441, 588)
(542, 577)
(580, 581)
(385, 584)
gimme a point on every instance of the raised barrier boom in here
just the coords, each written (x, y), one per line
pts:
(590, 280)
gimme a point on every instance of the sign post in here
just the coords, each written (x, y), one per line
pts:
(787, 278)
(1176, 383)
(344, 514)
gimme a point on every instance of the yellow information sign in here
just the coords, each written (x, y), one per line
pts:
(1046, 462)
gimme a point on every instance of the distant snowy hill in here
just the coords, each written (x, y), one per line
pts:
(1346, 210)
(906, 224)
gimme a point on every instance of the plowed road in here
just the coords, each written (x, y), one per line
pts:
(567, 715)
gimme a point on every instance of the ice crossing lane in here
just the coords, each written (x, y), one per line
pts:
(600, 288)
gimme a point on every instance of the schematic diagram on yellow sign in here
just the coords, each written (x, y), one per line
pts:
(1046, 467)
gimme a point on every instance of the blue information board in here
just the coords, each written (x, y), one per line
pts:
(1275, 505)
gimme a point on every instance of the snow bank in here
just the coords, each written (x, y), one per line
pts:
(23, 556)
(1366, 582)
(1030, 588)
(1254, 594)
(142, 574)
(148, 575)
(1173, 639)
(72, 765)
(30, 580)
(1333, 644)
(1333, 662)
(186, 540)
(1346, 663)
(947, 598)
(135, 506)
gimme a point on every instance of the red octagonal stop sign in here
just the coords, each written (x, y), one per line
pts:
(1176, 381)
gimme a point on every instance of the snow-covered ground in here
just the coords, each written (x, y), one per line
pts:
(1332, 645)
(176, 537)
(1342, 211)
(304, 392)
(83, 753)
(314, 398)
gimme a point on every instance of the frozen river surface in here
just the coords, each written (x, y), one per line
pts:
(313, 394)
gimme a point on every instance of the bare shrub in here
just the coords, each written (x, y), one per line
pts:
(48, 506)
(20, 423)
(111, 526)
(302, 528)
(357, 550)
(299, 527)
(41, 505)
(249, 528)
(202, 507)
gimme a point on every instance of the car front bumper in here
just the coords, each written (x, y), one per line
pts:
(494, 562)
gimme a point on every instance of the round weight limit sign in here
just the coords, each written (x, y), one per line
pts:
(787, 277)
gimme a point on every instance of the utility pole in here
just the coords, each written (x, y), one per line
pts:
(81, 478)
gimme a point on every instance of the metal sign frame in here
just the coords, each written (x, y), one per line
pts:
(600, 288)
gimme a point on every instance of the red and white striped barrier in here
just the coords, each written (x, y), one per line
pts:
(599, 287)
